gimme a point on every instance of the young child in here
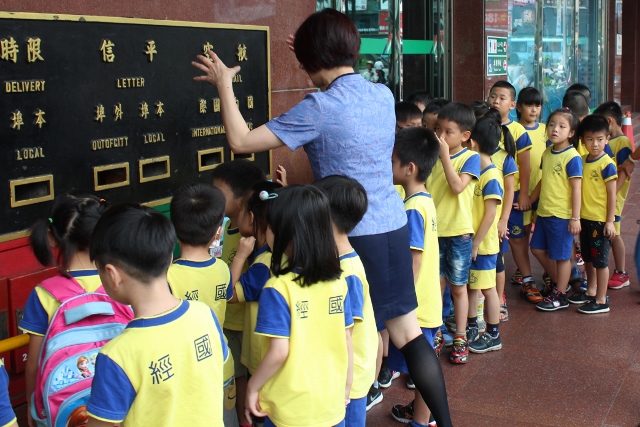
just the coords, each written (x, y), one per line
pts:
(621, 149)
(415, 152)
(583, 89)
(305, 311)
(421, 98)
(68, 229)
(597, 214)
(503, 98)
(165, 369)
(7, 416)
(579, 105)
(348, 200)
(488, 194)
(559, 192)
(430, 113)
(234, 179)
(452, 189)
(407, 114)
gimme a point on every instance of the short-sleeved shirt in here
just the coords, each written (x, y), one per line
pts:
(538, 136)
(423, 236)
(7, 416)
(234, 316)
(164, 370)
(523, 143)
(41, 306)
(454, 210)
(596, 174)
(621, 149)
(558, 167)
(488, 187)
(506, 165)
(365, 334)
(349, 130)
(314, 374)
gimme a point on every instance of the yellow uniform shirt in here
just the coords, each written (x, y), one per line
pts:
(314, 319)
(423, 236)
(488, 187)
(523, 143)
(454, 217)
(234, 317)
(164, 370)
(596, 173)
(365, 334)
(400, 190)
(555, 191)
(621, 149)
(538, 136)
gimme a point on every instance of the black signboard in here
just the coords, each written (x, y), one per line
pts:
(109, 105)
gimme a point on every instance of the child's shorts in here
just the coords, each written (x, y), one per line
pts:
(500, 263)
(455, 258)
(616, 224)
(234, 341)
(516, 222)
(594, 244)
(482, 274)
(6, 411)
(395, 359)
(552, 235)
(356, 415)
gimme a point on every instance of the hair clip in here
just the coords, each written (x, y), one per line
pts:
(102, 200)
(266, 196)
(50, 221)
(568, 108)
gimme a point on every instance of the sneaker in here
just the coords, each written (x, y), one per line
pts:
(549, 286)
(581, 298)
(555, 301)
(448, 339)
(438, 343)
(583, 282)
(410, 384)
(594, 308)
(531, 293)
(516, 279)
(485, 343)
(618, 280)
(403, 413)
(460, 352)
(576, 276)
(482, 325)
(472, 333)
(373, 397)
(450, 322)
(579, 260)
(387, 376)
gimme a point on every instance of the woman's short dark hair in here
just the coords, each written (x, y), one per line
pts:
(326, 40)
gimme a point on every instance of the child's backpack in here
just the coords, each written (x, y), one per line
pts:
(84, 322)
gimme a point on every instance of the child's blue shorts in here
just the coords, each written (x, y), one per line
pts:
(356, 413)
(455, 258)
(552, 235)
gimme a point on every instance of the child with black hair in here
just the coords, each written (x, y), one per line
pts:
(166, 368)
(430, 113)
(348, 200)
(407, 115)
(559, 192)
(583, 89)
(597, 214)
(621, 148)
(421, 98)
(576, 102)
(305, 311)
(415, 153)
(451, 186)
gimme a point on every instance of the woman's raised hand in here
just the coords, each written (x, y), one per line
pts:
(215, 72)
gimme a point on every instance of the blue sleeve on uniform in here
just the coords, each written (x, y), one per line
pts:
(111, 391)
(415, 223)
(6, 411)
(253, 280)
(492, 188)
(348, 315)
(609, 171)
(548, 143)
(509, 166)
(574, 167)
(523, 142)
(35, 318)
(230, 287)
(274, 316)
(299, 125)
(622, 155)
(223, 343)
(609, 151)
(472, 166)
(356, 290)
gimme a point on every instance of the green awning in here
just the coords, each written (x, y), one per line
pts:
(375, 46)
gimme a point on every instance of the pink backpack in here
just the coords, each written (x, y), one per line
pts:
(84, 322)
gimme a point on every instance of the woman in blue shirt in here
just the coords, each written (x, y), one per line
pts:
(348, 129)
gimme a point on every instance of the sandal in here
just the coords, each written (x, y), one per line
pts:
(504, 314)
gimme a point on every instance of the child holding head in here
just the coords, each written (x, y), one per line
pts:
(415, 153)
(348, 200)
(559, 192)
(597, 214)
(305, 311)
(407, 115)
(451, 186)
(166, 368)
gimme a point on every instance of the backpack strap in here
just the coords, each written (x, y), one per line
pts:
(62, 288)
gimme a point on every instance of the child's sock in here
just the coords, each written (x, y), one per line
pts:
(492, 329)
(472, 321)
(461, 334)
(376, 384)
(527, 279)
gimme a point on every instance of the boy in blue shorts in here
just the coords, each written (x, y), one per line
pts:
(166, 368)
(451, 185)
(415, 153)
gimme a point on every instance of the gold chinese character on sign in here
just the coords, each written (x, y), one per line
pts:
(33, 50)
(107, 51)
(39, 118)
(117, 112)
(216, 105)
(16, 118)
(99, 113)
(144, 110)
(203, 106)
(151, 49)
(242, 52)
(159, 109)
(9, 50)
(250, 102)
(206, 48)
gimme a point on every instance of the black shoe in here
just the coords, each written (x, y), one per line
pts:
(594, 308)
(555, 301)
(387, 376)
(581, 298)
(403, 413)
(373, 397)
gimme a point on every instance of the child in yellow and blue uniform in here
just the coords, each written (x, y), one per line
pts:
(415, 153)
(348, 200)
(559, 193)
(597, 214)
(451, 187)
(166, 368)
(7, 416)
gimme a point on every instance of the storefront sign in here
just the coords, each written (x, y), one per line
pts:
(496, 56)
